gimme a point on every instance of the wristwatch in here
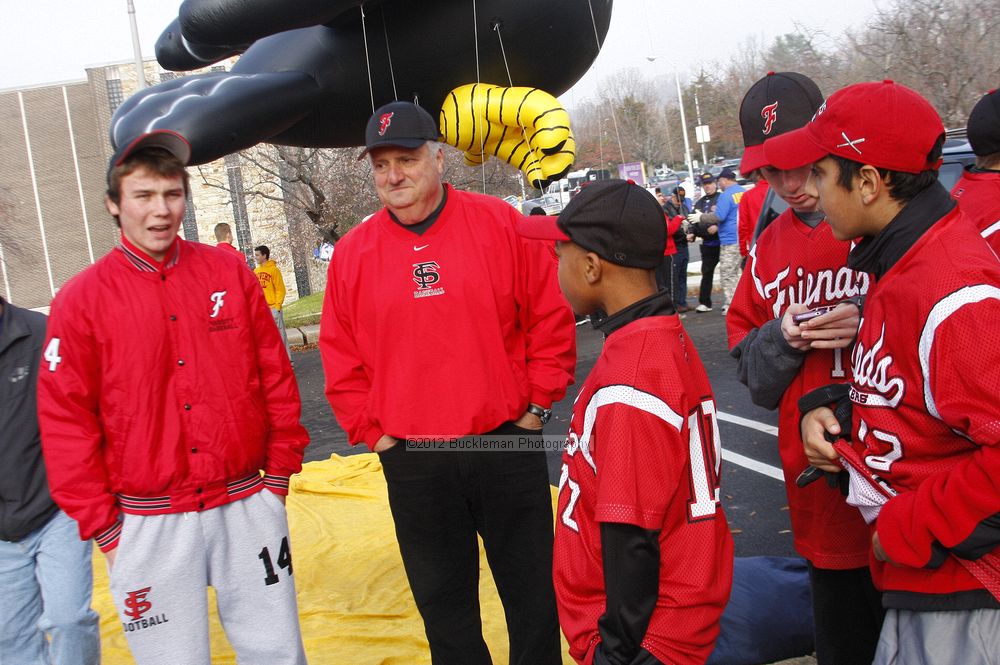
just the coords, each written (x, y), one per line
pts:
(543, 414)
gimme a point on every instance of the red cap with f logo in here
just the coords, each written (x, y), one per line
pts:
(884, 124)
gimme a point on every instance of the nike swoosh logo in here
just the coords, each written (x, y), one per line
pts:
(417, 249)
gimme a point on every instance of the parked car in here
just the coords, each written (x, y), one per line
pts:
(549, 203)
(956, 155)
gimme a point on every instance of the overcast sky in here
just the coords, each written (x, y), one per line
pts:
(47, 41)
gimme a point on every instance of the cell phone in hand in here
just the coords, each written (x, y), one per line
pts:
(811, 314)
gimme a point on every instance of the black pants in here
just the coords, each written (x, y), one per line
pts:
(847, 613)
(709, 259)
(440, 500)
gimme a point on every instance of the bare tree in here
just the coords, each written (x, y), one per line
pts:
(329, 186)
(637, 117)
(944, 49)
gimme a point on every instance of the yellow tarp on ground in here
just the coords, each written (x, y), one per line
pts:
(355, 605)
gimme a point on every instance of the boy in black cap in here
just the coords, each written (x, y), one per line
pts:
(978, 191)
(796, 265)
(643, 554)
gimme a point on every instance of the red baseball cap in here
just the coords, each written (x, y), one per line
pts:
(884, 124)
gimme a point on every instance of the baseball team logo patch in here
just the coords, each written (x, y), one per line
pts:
(383, 123)
(426, 275)
(218, 301)
(138, 607)
(770, 115)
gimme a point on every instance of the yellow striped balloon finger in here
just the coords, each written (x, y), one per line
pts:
(526, 127)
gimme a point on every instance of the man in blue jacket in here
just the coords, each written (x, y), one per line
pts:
(45, 569)
(724, 220)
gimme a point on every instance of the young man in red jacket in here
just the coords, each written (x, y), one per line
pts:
(923, 449)
(440, 321)
(796, 265)
(164, 392)
(978, 190)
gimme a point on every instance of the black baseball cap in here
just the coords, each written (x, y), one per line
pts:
(777, 103)
(727, 173)
(983, 129)
(616, 219)
(169, 140)
(400, 124)
(707, 178)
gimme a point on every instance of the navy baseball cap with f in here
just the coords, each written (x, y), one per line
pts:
(169, 140)
(400, 124)
(616, 219)
(774, 105)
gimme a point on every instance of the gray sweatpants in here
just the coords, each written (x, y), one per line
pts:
(970, 637)
(165, 562)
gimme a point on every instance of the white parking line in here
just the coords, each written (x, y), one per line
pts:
(753, 465)
(746, 422)
(744, 461)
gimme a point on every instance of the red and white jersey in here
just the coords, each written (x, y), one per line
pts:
(978, 195)
(926, 410)
(792, 262)
(644, 449)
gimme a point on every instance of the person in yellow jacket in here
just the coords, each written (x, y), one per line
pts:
(273, 284)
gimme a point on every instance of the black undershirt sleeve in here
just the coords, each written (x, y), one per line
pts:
(632, 581)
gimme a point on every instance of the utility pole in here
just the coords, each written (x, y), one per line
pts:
(697, 110)
(140, 73)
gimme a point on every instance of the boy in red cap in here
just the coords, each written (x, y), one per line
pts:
(924, 450)
(797, 265)
(978, 191)
(643, 556)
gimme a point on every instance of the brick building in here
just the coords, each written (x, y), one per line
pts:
(52, 182)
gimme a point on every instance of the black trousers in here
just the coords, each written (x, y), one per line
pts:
(440, 500)
(709, 259)
(847, 613)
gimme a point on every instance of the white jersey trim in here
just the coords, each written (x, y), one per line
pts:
(939, 314)
(628, 396)
(991, 229)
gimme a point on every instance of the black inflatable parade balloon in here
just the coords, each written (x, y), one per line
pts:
(303, 76)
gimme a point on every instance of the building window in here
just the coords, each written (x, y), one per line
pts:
(114, 84)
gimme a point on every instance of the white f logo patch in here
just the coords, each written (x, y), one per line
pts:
(217, 299)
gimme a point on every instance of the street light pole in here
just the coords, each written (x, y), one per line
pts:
(140, 73)
(684, 126)
(697, 111)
